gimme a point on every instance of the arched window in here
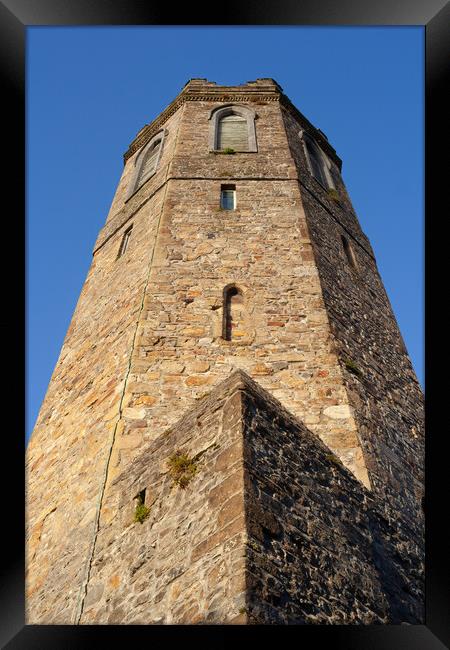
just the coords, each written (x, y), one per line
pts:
(348, 250)
(232, 127)
(232, 298)
(146, 162)
(318, 163)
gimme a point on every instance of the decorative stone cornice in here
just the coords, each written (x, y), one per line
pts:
(200, 90)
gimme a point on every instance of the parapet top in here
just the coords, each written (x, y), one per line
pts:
(262, 81)
(197, 88)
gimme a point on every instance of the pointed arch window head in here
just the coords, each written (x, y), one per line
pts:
(146, 163)
(318, 163)
(232, 127)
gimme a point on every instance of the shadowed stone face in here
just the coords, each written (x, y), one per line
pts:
(271, 528)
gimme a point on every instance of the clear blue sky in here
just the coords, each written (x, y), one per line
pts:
(91, 89)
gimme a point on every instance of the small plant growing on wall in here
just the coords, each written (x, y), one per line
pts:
(352, 367)
(333, 459)
(141, 512)
(334, 195)
(182, 469)
(228, 150)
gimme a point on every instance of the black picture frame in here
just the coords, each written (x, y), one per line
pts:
(434, 15)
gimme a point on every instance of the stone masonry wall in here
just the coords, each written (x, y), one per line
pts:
(123, 205)
(69, 452)
(185, 563)
(320, 550)
(145, 345)
(262, 246)
(385, 395)
(271, 529)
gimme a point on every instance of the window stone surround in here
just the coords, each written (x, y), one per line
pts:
(217, 113)
(260, 92)
(326, 165)
(139, 161)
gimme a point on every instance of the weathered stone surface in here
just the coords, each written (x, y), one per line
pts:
(199, 366)
(197, 380)
(278, 537)
(177, 565)
(148, 400)
(145, 346)
(338, 412)
(385, 397)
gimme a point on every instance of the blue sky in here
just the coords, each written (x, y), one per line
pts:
(91, 89)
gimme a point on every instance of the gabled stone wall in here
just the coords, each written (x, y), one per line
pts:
(272, 528)
(185, 563)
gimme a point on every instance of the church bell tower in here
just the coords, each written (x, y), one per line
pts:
(233, 432)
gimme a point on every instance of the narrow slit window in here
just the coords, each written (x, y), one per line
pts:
(228, 197)
(124, 242)
(349, 252)
(140, 497)
(231, 296)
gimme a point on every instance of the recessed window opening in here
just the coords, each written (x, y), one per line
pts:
(232, 129)
(349, 252)
(149, 162)
(140, 497)
(146, 163)
(228, 197)
(124, 242)
(318, 163)
(232, 133)
(231, 294)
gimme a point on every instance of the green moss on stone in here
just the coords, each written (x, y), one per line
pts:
(333, 459)
(352, 367)
(141, 512)
(333, 194)
(182, 469)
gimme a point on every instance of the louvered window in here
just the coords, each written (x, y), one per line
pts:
(232, 133)
(316, 164)
(149, 163)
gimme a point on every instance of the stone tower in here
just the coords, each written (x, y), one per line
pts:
(233, 432)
